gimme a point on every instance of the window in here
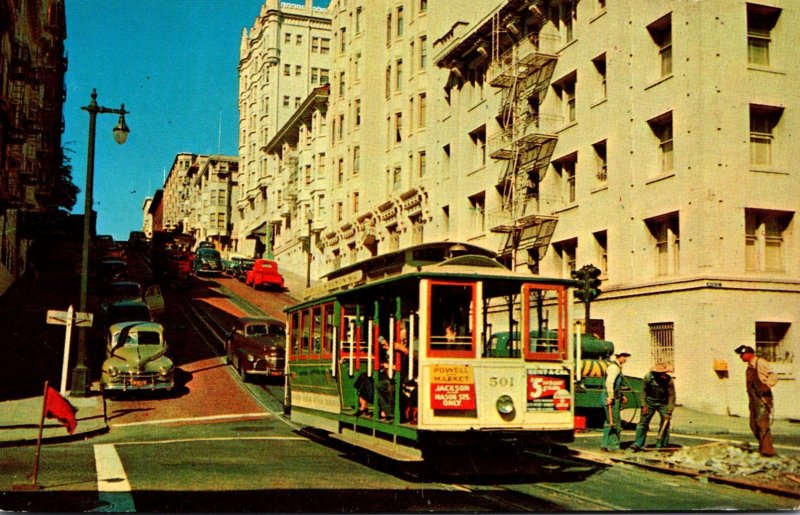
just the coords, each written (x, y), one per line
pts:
(355, 202)
(662, 346)
(357, 68)
(421, 163)
(287, 38)
(398, 74)
(321, 166)
(341, 127)
(601, 251)
(339, 212)
(601, 163)
(416, 229)
(477, 204)
(342, 85)
(423, 5)
(324, 46)
(566, 251)
(340, 171)
(388, 81)
(565, 88)
(342, 40)
(771, 342)
(662, 129)
(661, 32)
(397, 177)
(314, 76)
(356, 160)
(665, 231)
(298, 40)
(565, 167)
(422, 106)
(357, 113)
(478, 137)
(388, 28)
(400, 22)
(323, 76)
(398, 127)
(307, 174)
(452, 319)
(315, 45)
(761, 21)
(285, 101)
(600, 67)
(298, 70)
(446, 219)
(765, 232)
(287, 70)
(359, 14)
(569, 14)
(423, 52)
(763, 120)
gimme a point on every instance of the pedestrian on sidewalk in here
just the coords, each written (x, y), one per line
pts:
(759, 380)
(611, 399)
(659, 396)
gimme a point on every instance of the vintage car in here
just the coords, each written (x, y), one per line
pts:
(264, 273)
(136, 359)
(207, 261)
(257, 346)
(238, 267)
(112, 270)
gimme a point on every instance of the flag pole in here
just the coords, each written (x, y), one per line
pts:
(33, 485)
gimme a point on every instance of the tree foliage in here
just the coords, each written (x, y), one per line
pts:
(65, 193)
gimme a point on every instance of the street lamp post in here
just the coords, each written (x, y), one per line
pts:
(80, 374)
(310, 219)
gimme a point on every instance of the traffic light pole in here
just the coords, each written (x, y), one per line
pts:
(588, 289)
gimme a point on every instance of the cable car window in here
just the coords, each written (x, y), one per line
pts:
(544, 322)
(452, 319)
(295, 334)
(316, 331)
(328, 328)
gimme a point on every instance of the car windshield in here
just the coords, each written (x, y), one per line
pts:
(138, 338)
(125, 291)
(274, 331)
(126, 313)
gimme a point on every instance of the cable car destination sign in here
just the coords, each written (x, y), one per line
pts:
(452, 387)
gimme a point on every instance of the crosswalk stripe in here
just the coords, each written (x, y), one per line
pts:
(113, 486)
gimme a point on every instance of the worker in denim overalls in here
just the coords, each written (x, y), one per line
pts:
(611, 400)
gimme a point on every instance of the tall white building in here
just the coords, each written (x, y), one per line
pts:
(283, 57)
(651, 139)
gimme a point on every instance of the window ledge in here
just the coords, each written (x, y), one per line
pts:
(569, 44)
(478, 169)
(570, 207)
(658, 81)
(476, 105)
(765, 69)
(769, 170)
(598, 103)
(602, 187)
(568, 126)
(598, 16)
(660, 177)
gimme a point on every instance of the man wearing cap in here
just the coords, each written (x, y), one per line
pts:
(659, 396)
(759, 381)
(611, 400)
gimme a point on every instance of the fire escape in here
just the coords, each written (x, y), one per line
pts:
(527, 136)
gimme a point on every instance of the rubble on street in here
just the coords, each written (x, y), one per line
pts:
(735, 462)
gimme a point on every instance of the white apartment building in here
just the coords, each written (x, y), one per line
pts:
(651, 139)
(177, 192)
(283, 57)
(211, 187)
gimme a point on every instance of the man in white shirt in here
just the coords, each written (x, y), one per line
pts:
(611, 399)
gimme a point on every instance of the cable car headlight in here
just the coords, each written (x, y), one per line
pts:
(505, 405)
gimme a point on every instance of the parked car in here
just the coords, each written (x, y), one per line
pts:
(112, 270)
(207, 261)
(205, 245)
(138, 240)
(265, 273)
(136, 359)
(120, 290)
(257, 346)
(123, 301)
(239, 266)
(126, 311)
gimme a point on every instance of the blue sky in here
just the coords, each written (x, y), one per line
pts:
(174, 65)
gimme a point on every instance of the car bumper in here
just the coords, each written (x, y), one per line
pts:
(139, 383)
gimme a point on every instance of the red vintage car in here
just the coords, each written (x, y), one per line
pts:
(265, 273)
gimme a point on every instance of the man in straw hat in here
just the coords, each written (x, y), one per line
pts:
(611, 399)
(659, 396)
(759, 381)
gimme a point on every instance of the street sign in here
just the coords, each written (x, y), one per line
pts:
(79, 318)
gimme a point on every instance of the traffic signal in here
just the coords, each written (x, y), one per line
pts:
(588, 287)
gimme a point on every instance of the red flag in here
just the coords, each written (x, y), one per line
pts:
(59, 408)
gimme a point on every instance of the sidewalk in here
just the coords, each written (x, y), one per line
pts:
(19, 420)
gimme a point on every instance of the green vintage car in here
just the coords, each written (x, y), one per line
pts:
(136, 359)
